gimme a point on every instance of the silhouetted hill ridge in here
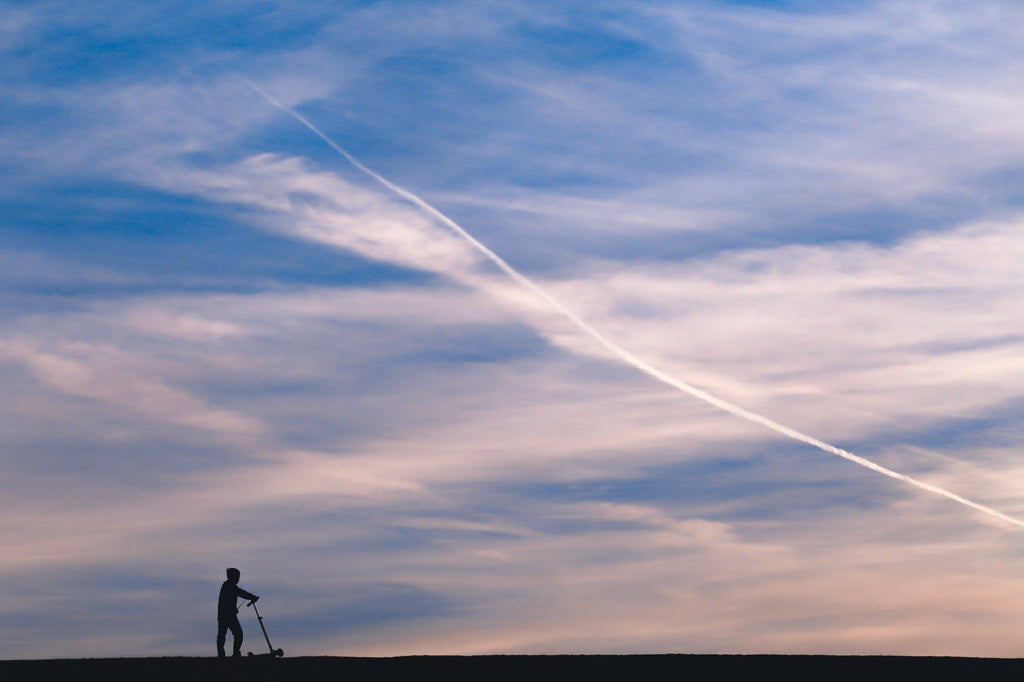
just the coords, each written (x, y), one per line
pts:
(532, 668)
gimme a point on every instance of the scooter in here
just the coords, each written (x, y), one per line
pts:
(273, 652)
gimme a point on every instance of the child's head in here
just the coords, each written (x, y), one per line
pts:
(234, 574)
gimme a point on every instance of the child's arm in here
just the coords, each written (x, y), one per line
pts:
(247, 595)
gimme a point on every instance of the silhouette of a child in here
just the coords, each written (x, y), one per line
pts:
(227, 612)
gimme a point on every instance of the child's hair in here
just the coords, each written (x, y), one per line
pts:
(234, 573)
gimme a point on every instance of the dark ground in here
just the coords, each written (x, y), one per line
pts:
(526, 668)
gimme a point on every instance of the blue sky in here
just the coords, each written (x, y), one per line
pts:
(222, 345)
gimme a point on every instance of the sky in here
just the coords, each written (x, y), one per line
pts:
(221, 344)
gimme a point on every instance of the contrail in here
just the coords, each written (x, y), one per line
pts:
(617, 350)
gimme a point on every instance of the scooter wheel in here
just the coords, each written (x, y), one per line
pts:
(279, 652)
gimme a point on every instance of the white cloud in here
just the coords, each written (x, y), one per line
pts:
(851, 334)
(322, 207)
(106, 373)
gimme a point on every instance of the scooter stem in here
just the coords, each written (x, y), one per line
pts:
(262, 626)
